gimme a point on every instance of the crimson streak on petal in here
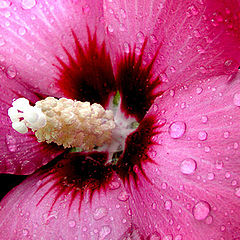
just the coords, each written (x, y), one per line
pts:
(89, 77)
(77, 174)
(135, 82)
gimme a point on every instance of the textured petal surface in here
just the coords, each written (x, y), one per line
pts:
(195, 38)
(33, 33)
(20, 153)
(106, 216)
(193, 190)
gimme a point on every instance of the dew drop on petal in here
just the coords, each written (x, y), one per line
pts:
(5, 3)
(72, 223)
(199, 90)
(11, 72)
(168, 204)
(178, 237)
(210, 176)
(209, 220)
(140, 37)
(201, 210)
(154, 236)
(28, 4)
(204, 119)
(114, 185)
(2, 42)
(177, 129)
(105, 231)
(202, 135)
(99, 213)
(188, 166)
(21, 31)
(110, 28)
(11, 143)
(25, 232)
(236, 99)
(237, 192)
(123, 196)
(219, 164)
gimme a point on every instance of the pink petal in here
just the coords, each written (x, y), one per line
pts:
(34, 32)
(192, 192)
(196, 38)
(106, 216)
(20, 153)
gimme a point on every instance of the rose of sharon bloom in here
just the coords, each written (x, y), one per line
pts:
(171, 169)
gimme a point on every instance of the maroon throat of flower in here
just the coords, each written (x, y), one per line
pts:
(97, 121)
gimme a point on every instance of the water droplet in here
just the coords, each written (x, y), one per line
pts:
(123, 196)
(25, 232)
(199, 90)
(201, 210)
(178, 237)
(42, 61)
(228, 63)
(207, 149)
(140, 37)
(188, 166)
(28, 56)
(11, 143)
(209, 220)
(21, 31)
(105, 231)
(227, 175)
(99, 213)
(196, 33)
(11, 72)
(194, 10)
(114, 185)
(2, 42)
(5, 3)
(210, 176)
(110, 28)
(168, 204)
(234, 182)
(28, 4)
(202, 135)
(155, 236)
(168, 237)
(123, 13)
(177, 129)
(173, 69)
(172, 93)
(85, 9)
(237, 192)
(204, 119)
(126, 47)
(72, 223)
(200, 49)
(235, 145)
(236, 99)
(226, 134)
(219, 164)
(164, 185)
(153, 39)
(164, 77)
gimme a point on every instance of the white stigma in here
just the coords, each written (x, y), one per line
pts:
(24, 116)
(65, 122)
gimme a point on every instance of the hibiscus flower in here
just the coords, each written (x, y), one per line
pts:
(160, 79)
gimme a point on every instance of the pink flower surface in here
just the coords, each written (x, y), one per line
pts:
(175, 64)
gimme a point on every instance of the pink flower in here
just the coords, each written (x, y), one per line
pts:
(175, 64)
